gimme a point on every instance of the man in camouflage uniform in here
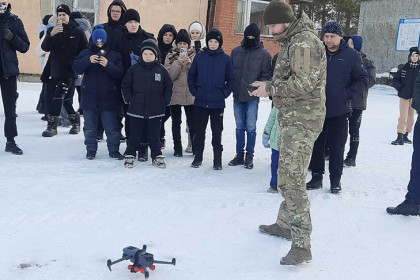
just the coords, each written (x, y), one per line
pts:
(298, 91)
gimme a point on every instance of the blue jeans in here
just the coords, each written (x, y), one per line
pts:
(414, 184)
(274, 166)
(246, 120)
(110, 123)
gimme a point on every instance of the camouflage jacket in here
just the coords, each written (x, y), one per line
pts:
(299, 78)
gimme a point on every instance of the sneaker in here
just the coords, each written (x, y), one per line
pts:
(249, 161)
(129, 161)
(90, 155)
(11, 147)
(297, 256)
(237, 160)
(116, 155)
(196, 163)
(276, 230)
(335, 187)
(315, 182)
(407, 208)
(349, 162)
(272, 190)
(159, 161)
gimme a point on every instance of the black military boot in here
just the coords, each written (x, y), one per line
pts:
(406, 140)
(249, 161)
(198, 160)
(350, 161)
(217, 160)
(315, 182)
(408, 207)
(75, 123)
(399, 140)
(335, 186)
(237, 160)
(51, 126)
(11, 147)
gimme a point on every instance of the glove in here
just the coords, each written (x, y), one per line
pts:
(265, 142)
(8, 35)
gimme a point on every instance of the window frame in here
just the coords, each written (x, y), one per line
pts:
(247, 12)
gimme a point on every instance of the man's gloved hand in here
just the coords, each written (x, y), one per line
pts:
(265, 142)
(8, 35)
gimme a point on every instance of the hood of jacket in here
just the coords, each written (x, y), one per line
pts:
(203, 34)
(123, 9)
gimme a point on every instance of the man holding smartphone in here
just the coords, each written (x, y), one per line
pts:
(13, 38)
(64, 42)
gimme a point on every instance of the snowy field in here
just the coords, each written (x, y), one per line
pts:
(65, 216)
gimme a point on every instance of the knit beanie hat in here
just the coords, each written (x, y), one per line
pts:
(278, 11)
(252, 30)
(45, 19)
(215, 34)
(99, 34)
(414, 50)
(63, 9)
(183, 36)
(131, 14)
(150, 44)
(357, 42)
(333, 27)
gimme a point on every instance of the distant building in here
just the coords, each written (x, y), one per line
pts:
(378, 25)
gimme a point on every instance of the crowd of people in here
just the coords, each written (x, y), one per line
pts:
(129, 79)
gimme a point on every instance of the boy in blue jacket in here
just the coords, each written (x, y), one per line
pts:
(102, 68)
(211, 81)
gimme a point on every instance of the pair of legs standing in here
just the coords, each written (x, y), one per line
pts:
(176, 125)
(405, 122)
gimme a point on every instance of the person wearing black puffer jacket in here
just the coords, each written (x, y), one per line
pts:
(251, 62)
(12, 38)
(147, 89)
(64, 41)
(404, 81)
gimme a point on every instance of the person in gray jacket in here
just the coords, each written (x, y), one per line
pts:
(359, 101)
(251, 62)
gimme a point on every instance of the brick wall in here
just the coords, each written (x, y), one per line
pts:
(225, 20)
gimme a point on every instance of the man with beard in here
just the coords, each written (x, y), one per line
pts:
(251, 62)
(13, 38)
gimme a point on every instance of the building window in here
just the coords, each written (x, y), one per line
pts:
(251, 11)
(88, 8)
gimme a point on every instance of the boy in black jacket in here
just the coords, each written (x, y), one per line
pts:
(147, 89)
(102, 68)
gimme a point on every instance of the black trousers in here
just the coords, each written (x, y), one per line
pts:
(9, 95)
(355, 121)
(202, 116)
(137, 129)
(335, 130)
(414, 184)
(60, 92)
(176, 123)
(164, 119)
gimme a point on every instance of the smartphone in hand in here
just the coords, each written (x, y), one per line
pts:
(183, 52)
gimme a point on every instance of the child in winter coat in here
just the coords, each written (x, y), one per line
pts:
(211, 81)
(147, 89)
(198, 35)
(178, 62)
(102, 68)
(404, 82)
(269, 140)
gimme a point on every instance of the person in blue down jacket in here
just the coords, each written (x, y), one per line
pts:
(210, 80)
(251, 62)
(13, 38)
(102, 68)
(346, 77)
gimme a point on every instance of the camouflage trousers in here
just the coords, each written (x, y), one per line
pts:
(295, 147)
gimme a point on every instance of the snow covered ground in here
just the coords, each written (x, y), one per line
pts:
(65, 215)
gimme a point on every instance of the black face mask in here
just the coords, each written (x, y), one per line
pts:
(251, 43)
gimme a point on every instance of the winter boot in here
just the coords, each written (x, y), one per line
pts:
(178, 151)
(335, 186)
(116, 155)
(237, 160)
(276, 230)
(249, 161)
(90, 155)
(188, 149)
(350, 161)
(217, 160)
(51, 127)
(11, 147)
(272, 190)
(75, 123)
(143, 153)
(297, 256)
(129, 161)
(315, 182)
(408, 207)
(399, 140)
(198, 160)
(406, 140)
(159, 162)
